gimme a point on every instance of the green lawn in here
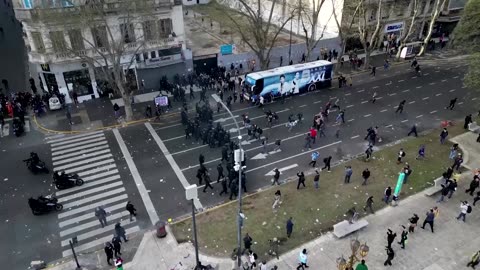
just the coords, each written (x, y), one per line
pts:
(315, 211)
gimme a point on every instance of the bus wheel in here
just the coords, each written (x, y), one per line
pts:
(312, 87)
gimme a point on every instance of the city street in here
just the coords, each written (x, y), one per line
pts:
(150, 164)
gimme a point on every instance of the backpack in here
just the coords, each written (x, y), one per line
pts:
(469, 209)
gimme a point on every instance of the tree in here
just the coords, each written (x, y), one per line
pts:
(368, 34)
(466, 37)
(403, 40)
(437, 9)
(310, 19)
(345, 29)
(113, 45)
(254, 21)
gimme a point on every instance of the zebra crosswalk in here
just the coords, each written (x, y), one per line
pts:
(89, 156)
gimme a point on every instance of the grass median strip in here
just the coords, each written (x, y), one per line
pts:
(314, 212)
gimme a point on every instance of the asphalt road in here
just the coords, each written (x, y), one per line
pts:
(426, 96)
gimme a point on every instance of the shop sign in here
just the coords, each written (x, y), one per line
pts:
(393, 27)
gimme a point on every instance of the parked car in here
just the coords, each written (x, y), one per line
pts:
(54, 103)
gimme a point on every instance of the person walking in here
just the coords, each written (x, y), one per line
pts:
(131, 209)
(301, 179)
(374, 70)
(452, 104)
(207, 182)
(302, 258)
(109, 252)
(120, 232)
(308, 141)
(403, 237)
(327, 162)
(421, 152)
(289, 227)
(361, 266)
(101, 215)
(453, 151)
(413, 223)
(474, 260)
(117, 245)
(401, 155)
(429, 219)
(224, 187)
(386, 195)
(468, 121)
(400, 107)
(348, 174)
(315, 156)
(276, 177)
(316, 179)
(365, 176)
(369, 205)
(413, 131)
(464, 209)
(452, 187)
(443, 135)
(247, 243)
(390, 256)
(369, 152)
(474, 184)
(374, 97)
(457, 162)
(407, 170)
(69, 116)
(220, 172)
(276, 199)
(443, 193)
(390, 238)
(116, 110)
(313, 134)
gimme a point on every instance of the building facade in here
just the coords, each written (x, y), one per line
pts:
(152, 42)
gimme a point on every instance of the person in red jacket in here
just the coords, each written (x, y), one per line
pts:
(313, 134)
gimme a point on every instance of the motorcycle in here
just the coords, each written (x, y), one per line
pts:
(65, 181)
(17, 127)
(38, 167)
(44, 204)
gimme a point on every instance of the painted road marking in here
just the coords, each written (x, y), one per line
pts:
(348, 94)
(411, 102)
(63, 137)
(474, 98)
(318, 101)
(439, 94)
(286, 168)
(406, 90)
(418, 87)
(136, 175)
(81, 162)
(77, 155)
(384, 110)
(88, 192)
(425, 98)
(77, 139)
(301, 106)
(94, 223)
(68, 160)
(82, 143)
(92, 206)
(90, 215)
(351, 120)
(444, 80)
(367, 115)
(426, 74)
(401, 80)
(375, 87)
(456, 77)
(460, 103)
(392, 94)
(98, 231)
(360, 91)
(363, 102)
(75, 149)
(432, 83)
(432, 112)
(452, 90)
(418, 116)
(174, 166)
(389, 126)
(294, 156)
(100, 169)
(349, 106)
(88, 185)
(379, 98)
(406, 120)
(94, 198)
(356, 136)
(414, 77)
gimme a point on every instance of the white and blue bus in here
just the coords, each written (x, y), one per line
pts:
(290, 80)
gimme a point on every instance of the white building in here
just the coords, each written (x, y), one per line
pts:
(195, 2)
(155, 42)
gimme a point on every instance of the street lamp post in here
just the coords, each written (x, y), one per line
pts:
(356, 249)
(290, 43)
(191, 192)
(239, 166)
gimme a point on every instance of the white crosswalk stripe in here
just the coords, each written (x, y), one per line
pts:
(89, 156)
(7, 130)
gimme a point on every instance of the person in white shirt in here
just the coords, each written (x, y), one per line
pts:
(464, 209)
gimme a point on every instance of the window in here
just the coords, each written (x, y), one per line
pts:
(150, 30)
(58, 41)
(145, 56)
(153, 54)
(76, 39)
(165, 26)
(128, 32)
(99, 34)
(137, 58)
(38, 42)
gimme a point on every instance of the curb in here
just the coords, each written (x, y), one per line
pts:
(70, 132)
